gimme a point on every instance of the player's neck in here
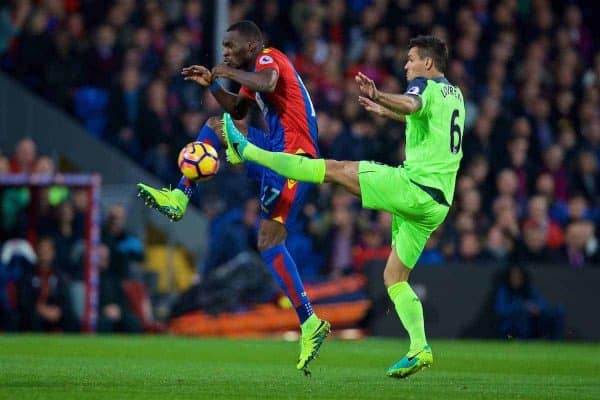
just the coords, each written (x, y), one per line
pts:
(255, 55)
(434, 75)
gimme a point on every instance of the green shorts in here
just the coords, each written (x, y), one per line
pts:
(415, 214)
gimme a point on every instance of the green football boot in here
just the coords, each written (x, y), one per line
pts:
(411, 363)
(171, 203)
(236, 141)
(310, 345)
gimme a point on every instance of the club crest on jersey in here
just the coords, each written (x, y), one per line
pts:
(265, 60)
(414, 90)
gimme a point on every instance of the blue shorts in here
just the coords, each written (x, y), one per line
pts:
(280, 198)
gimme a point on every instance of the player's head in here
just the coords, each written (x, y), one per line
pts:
(427, 57)
(241, 43)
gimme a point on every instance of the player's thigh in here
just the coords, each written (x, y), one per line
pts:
(389, 189)
(259, 138)
(270, 233)
(343, 173)
(409, 237)
(281, 199)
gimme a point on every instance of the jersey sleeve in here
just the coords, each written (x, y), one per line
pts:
(244, 91)
(266, 61)
(263, 62)
(417, 87)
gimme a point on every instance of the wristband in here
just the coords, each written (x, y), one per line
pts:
(215, 86)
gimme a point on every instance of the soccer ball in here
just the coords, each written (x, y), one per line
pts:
(198, 161)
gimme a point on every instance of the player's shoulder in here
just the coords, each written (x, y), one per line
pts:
(417, 86)
(271, 53)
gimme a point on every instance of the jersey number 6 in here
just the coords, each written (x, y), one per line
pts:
(455, 131)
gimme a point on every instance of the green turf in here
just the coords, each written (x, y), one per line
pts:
(161, 367)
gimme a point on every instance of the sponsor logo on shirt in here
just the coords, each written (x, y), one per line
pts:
(265, 60)
(414, 90)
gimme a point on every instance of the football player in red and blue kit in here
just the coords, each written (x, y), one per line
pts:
(267, 78)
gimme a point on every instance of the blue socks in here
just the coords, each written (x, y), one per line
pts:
(283, 268)
(208, 135)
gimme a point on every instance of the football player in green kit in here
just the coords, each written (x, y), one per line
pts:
(418, 194)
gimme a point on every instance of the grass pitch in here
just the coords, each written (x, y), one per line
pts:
(164, 367)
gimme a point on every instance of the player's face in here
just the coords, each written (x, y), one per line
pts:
(415, 65)
(236, 50)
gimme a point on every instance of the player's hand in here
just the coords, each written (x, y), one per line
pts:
(366, 86)
(199, 74)
(371, 106)
(222, 71)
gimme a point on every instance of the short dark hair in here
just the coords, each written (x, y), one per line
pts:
(430, 46)
(248, 29)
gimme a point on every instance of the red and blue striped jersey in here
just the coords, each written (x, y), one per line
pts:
(289, 111)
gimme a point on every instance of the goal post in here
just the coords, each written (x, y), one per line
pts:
(91, 184)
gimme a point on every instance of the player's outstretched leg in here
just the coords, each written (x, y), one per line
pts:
(171, 203)
(411, 363)
(291, 166)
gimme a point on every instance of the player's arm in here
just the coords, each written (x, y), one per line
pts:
(400, 103)
(403, 104)
(261, 81)
(380, 110)
(235, 104)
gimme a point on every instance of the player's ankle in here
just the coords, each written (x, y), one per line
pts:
(311, 323)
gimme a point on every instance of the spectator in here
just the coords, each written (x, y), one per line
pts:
(35, 48)
(523, 312)
(17, 256)
(115, 314)
(43, 295)
(553, 159)
(12, 21)
(581, 245)
(124, 109)
(538, 217)
(103, 58)
(24, 157)
(533, 246)
(586, 180)
(557, 209)
(124, 247)
(498, 246)
(469, 249)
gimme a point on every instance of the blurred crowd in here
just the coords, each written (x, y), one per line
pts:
(529, 184)
(43, 249)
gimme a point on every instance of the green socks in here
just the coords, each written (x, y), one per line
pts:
(291, 166)
(410, 311)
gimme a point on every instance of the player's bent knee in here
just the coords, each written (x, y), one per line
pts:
(266, 242)
(343, 173)
(395, 272)
(334, 170)
(270, 234)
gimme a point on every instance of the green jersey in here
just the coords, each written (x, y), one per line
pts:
(434, 134)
